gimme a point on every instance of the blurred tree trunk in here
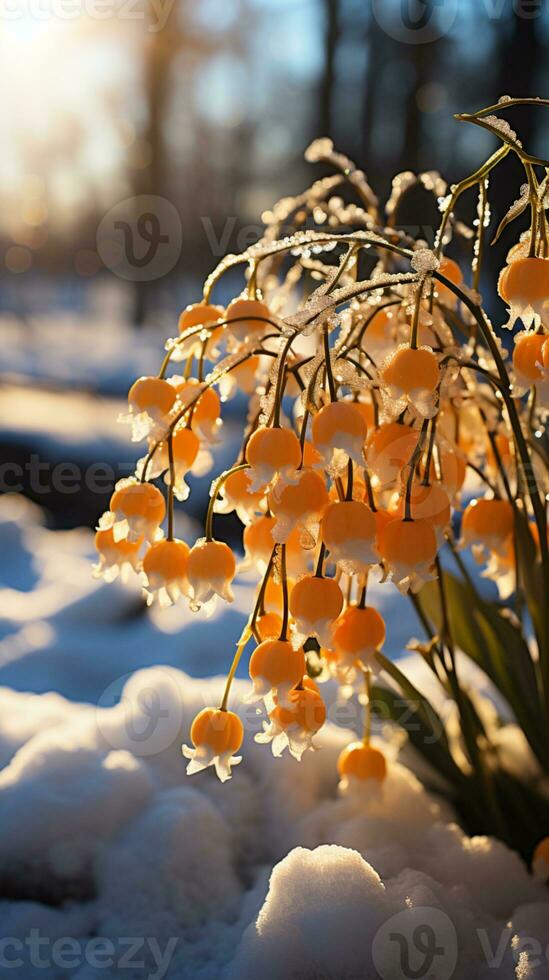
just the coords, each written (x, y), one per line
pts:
(331, 37)
(160, 49)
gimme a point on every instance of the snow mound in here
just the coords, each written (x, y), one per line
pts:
(115, 864)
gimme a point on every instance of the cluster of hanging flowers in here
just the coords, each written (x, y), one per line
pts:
(372, 404)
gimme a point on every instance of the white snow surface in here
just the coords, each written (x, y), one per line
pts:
(115, 864)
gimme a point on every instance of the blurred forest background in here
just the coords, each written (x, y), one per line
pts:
(208, 105)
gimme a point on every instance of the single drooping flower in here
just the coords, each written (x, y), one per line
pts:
(211, 567)
(408, 548)
(216, 735)
(249, 318)
(236, 495)
(486, 525)
(275, 668)
(116, 557)
(410, 378)
(339, 432)
(150, 403)
(524, 286)
(294, 726)
(272, 452)
(204, 408)
(531, 365)
(357, 633)
(349, 532)
(185, 450)
(165, 571)
(389, 449)
(194, 341)
(136, 511)
(361, 766)
(315, 604)
(298, 505)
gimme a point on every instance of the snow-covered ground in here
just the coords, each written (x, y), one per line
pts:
(113, 863)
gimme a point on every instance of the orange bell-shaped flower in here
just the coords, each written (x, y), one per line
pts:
(150, 402)
(249, 318)
(272, 452)
(339, 431)
(349, 532)
(115, 557)
(524, 286)
(216, 736)
(300, 504)
(357, 634)
(294, 725)
(211, 568)
(275, 668)
(389, 449)
(359, 765)
(165, 570)
(315, 603)
(136, 510)
(409, 549)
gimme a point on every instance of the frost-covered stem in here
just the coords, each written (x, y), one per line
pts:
(479, 245)
(285, 598)
(252, 281)
(303, 435)
(463, 185)
(320, 562)
(346, 260)
(369, 491)
(415, 318)
(282, 246)
(214, 494)
(349, 494)
(328, 360)
(426, 481)
(200, 327)
(532, 184)
(362, 599)
(280, 381)
(171, 488)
